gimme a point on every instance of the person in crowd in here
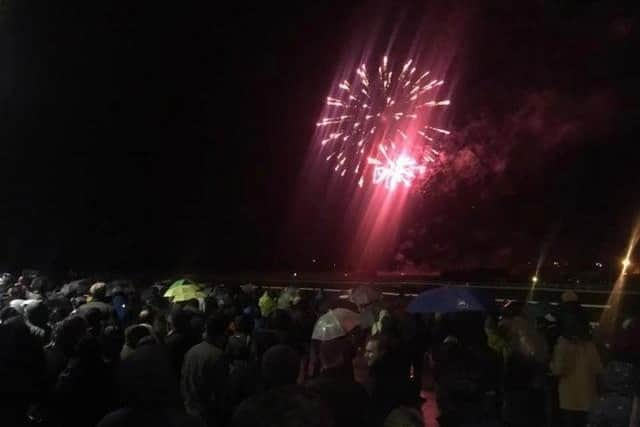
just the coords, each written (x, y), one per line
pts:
(276, 330)
(404, 417)
(281, 323)
(39, 287)
(418, 344)
(524, 355)
(303, 321)
(59, 309)
(388, 384)
(122, 309)
(635, 409)
(243, 372)
(180, 337)
(111, 342)
(8, 313)
(5, 281)
(458, 376)
(136, 336)
(66, 337)
(288, 298)
(22, 370)
(159, 321)
(280, 366)
(347, 400)
(267, 303)
(149, 392)
(613, 408)
(36, 317)
(95, 323)
(204, 373)
(242, 328)
(290, 406)
(97, 299)
(85, 391)
(20, 289)
(626, 341)
(575, 362)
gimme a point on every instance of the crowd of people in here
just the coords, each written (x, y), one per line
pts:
(91, 353)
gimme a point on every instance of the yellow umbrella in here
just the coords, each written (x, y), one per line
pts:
(184, 293)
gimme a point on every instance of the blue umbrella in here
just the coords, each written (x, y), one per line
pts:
(448, 299)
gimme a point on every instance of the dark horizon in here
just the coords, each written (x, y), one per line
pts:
(145, 137)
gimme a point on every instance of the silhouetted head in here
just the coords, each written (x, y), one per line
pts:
(179, 319)
(135, 333)
(404, 417)
(98, 291)
(280, 366)
(146, 379)
(69, 333)
(216, 326)
(333, 353)
(37, 313)
(291, 406)
(377, 347)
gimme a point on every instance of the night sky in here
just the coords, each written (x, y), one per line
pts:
(139, 136)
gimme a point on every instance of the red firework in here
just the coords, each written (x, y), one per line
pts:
(379, 120)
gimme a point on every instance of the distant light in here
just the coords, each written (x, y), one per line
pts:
(295, 274)
(314, 260)
(534, 279)
(599, 264)
(556, 263)
(346, 274)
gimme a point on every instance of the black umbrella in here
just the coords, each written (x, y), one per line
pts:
(60, 304)
(119, 287)
(77, 287)
(42, 284)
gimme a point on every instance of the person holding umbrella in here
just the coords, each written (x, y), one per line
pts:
(335, 326)
(347, 399)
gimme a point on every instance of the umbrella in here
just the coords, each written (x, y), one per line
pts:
(181, 282)
(78, 287)
(118, 286)
(151, 292)
(248, 288)
(334, 324)
(364, 295)
(449, 299)
(184, 293)
(290, 296)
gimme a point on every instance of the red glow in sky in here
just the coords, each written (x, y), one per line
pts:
(378, 135)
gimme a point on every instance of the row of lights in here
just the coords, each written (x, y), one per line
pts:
(626, 263)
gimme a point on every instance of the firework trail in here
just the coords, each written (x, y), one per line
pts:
(377, 122)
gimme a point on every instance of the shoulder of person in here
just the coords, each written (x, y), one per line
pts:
(563, 342)
(115, 418)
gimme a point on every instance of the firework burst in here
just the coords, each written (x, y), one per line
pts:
(377, 125)
(391, 172)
